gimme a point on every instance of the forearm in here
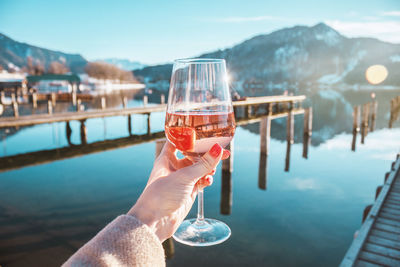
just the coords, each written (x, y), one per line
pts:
(125, 241)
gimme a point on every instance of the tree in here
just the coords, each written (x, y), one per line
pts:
(57, 68)
(103, 70)
(36, 68)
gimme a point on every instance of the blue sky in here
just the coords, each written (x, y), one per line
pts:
(160, 31)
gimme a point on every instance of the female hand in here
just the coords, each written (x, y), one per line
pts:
(172, 189)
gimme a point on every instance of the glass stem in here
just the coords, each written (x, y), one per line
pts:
(200, 209)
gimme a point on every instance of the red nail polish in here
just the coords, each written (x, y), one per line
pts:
(227, 153)
(215, 151)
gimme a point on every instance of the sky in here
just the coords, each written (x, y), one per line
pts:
(160, 31)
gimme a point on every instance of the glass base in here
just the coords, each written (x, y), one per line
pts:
(200, 234)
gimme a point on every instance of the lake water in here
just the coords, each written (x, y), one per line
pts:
(305, 217)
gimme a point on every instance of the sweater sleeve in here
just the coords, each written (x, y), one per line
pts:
(124, 242)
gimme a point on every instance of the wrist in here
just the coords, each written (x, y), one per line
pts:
(146, 217)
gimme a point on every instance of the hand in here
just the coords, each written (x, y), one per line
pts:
(172, 189)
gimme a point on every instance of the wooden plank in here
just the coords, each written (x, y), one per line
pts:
(378, 259)
(392, 206)
(245, 121)
(68, 116)
(358, 242)
(389, 216)
(384, 251)
(392, 202)
(361, 263)
(387, 221)
(394, 193)
(388, 228)
(268, 99)
(383, 242)
(391, 211)
(385, 235)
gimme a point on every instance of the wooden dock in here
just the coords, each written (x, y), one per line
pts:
(378, 241)
(19, 121)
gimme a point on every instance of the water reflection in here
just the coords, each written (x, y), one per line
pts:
(48, 211)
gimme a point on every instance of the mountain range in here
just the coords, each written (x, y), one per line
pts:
(297, 55)
(15, 55)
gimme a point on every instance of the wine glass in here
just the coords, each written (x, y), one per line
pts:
(199, 114)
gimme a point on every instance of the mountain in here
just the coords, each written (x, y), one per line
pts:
(301, 54)
(15, 54)
(124, 64)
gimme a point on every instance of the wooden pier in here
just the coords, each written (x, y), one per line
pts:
(378, 241)
(273, 110)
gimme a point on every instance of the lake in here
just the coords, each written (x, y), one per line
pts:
(306, 216)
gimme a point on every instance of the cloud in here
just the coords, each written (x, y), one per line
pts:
(391, 13)
(246, 19)
(384, 30)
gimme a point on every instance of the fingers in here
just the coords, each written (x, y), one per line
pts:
(204, 166)
(226, 154)
(205, 181)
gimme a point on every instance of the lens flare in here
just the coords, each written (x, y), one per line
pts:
(376, 74)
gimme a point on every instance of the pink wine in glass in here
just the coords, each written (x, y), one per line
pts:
(195, 133)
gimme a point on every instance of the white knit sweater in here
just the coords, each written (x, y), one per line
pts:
(124, 242)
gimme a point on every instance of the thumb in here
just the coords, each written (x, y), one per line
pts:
(203, 167)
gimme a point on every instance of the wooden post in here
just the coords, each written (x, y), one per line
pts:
(392, 102)
(78, 105)
(307, 131)
(53, 99)
(2, 97)
(130, 124)
(227, 164)
(265, 134)
(169, 248)
(145, 100)
(124, 101)
(364, 123)
(162, 101)
(83, 133)
(103, 102)
(73, 96)
(34, 100)
(289, 137)
(366, 212)
(262, 171)
(374, 109)
(226, 183)
(226, 192)
(159, 146)
(356, 126)
(148, 124)
(15, 106)
(49, 107)
(68, 132)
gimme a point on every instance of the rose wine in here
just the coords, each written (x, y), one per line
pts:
(195, 133)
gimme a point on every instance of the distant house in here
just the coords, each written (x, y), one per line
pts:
(62, 83)
(106, 85)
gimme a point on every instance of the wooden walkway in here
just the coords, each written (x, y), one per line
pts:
(84, 115)
(378, 241)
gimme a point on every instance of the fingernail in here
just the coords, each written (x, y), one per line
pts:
(213, 172)
(215, 151)
(226, 154)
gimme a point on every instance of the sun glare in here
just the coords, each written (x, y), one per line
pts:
(376, 74)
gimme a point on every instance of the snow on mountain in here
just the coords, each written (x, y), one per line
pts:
(124, 64)
(300, 55)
